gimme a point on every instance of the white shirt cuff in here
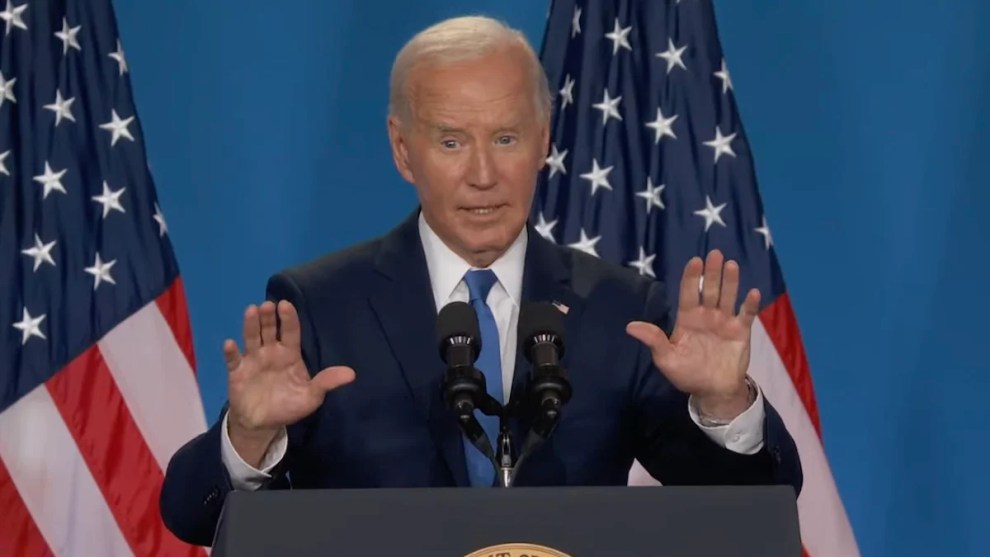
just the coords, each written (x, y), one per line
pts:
(243, 476)
(742, 435)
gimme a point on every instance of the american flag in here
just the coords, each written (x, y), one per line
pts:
(649, 166)
(97, 373)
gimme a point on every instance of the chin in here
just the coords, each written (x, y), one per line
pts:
(486, 235)
(488, 244)
(494, 237)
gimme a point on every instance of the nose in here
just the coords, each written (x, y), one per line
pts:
(481, 168)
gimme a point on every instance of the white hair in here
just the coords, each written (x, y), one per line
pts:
(456, 40)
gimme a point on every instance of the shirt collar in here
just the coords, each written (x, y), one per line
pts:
(447, 268)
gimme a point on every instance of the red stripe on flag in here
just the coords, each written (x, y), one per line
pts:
(115, 452)
(172, 304)
(782, 328)
(19, 536)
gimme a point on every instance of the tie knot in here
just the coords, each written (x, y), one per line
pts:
(480, 283)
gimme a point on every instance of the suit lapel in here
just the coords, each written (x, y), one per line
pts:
(406, 311)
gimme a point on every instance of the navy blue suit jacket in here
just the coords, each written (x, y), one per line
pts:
(371, 307)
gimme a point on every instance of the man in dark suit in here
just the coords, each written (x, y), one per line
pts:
(339, 381)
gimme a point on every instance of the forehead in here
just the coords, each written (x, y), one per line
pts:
(490, 89)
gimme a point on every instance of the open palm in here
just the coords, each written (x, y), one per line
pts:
(707, 354)
(269, 385)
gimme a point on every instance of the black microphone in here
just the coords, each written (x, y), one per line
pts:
(541, 340)
(541, 332)
(459, 340)
(464, 388)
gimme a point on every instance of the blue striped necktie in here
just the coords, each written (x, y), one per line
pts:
(479, 283)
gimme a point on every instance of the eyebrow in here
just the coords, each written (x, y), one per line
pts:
(447, 128)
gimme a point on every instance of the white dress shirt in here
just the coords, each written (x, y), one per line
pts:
(743, 435)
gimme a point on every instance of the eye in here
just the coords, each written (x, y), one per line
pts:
(505, 140)
(450, 144)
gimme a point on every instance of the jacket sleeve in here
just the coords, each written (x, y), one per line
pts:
(196, 481)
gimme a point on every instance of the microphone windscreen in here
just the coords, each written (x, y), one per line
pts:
(540, 318)
(458, 319)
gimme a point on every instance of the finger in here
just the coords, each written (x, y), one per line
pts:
(231, 355)
(289, 325)
(750, 307)
(269, 326)
(713, 279)
(690, 279)
(252, 330)
(730, 289)
(651, 336)
(332, 378)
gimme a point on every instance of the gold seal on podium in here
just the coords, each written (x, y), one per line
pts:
(517, 550)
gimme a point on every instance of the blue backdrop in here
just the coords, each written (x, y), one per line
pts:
(265, 125)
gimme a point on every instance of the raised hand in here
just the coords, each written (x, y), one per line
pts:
(269, 385)
(707, 355)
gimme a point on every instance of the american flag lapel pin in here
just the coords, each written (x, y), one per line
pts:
(563, 308)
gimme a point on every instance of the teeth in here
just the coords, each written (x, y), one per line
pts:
(483, 211)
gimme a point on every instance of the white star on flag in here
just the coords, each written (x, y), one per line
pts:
(110, 199)
(598, 177)
(7, 90)
(673, 55)
(13, 16)
(118, 55)
(576, 22)
(101, 271)
(652, 195)
(545, 228)
(765, 231)
(586, 244)
(62, 108)
(711, 213)
(723, 74)
(567, 92)
(68, 36)
(644, 264)
(556, 161)
(662, 126)
(3, 164)
(29, 326)
(118, 127)
(619, 37)
(609, 107)
(52, 181)
(41, 252)
(722, 144)
(160, 219)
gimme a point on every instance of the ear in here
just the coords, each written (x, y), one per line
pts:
(545, 142)
(400, 151)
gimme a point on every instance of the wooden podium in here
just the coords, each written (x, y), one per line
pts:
(532, 522)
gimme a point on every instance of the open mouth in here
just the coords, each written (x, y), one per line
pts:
(483, 210)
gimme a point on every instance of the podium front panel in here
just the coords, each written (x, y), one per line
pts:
(541, 522)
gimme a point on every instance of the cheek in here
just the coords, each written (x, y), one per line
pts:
(521, 175)
(437, 178)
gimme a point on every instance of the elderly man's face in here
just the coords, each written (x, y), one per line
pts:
(473, 148)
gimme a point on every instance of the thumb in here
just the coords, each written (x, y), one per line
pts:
(652, 336)
(333, 377)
